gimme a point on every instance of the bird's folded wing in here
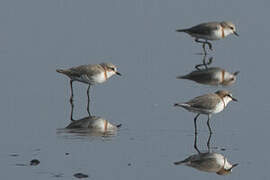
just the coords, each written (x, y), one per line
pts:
(205, 101)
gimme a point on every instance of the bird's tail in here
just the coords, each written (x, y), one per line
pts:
(63, 71)
(184, 105)
(179, 162)
(181, 30)
(182, 77)
(60, 71)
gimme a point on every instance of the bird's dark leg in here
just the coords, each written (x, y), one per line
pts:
(205, 64)
(195, 123)
(71, 113)
(203, 45)
(208, 142)
(71, 101)
(195, 144)
(204, 50)
(209, 45)
(88, 101)
(71, 96)
(208, 124)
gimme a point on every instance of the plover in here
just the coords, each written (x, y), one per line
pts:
(208, 104)
(89, 74)
(209, 162)
(211, 76)
(210, 31)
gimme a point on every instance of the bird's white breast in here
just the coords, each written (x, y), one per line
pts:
(222, 104)
(219, 107)
(217, 34)
(98, 78)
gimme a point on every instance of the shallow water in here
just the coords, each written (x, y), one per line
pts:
(139, 37)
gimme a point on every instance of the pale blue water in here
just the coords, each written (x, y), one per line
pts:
(36, 37)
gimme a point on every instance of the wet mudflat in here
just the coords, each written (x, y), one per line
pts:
(139, 37)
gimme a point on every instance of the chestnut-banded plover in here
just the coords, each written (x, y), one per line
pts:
(210, 31)
(208, 104)
(89, 74)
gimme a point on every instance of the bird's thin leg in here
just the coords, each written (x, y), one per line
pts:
(195, 144)
(195, 123)
(71, 101)
(208, 124)
(205, 64)
(208, 142)
(209, 45)
(71, 113)
(88, 101)
(203, 45)
(204, 50)
(71, 96)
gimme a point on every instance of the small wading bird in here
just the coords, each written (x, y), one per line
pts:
(211, 76)
(89, 74)
(207, 104)
(210, 31)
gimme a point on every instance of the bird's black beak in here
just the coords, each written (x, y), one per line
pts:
(235, 33)
(118, 73)
(234, 99)
(234, 165)
(235, 73)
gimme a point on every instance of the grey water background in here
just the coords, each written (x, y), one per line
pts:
(36, 37)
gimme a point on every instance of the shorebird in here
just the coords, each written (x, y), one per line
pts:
(210, 31)
(208, 104)
(211, 76)
(89, 74)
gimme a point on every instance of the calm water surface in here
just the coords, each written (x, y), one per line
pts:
(139, 37)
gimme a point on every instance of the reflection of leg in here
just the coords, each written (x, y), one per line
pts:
(71, 113)
(195, 123)
(71, 101)
(208, 142)
(205, 64)
(208, 124)
(195, 144)
(71, 96)
(88, 100)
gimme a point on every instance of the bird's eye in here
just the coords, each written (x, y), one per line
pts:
(232, 79)
(231, 28)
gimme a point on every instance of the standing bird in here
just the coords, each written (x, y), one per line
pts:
(211, 76)
(208, 104)
(209, 162)
(210, 31)
(89, 74)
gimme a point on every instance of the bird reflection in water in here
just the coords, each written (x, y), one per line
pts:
(90, 126)
(211, 75)
(93, 126)
(208, 161)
